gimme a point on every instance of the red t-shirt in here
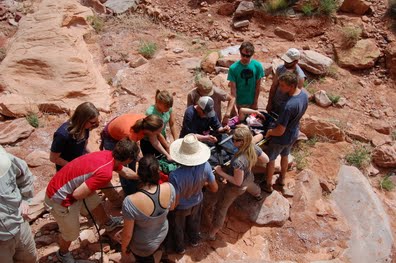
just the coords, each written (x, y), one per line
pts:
(95, 169)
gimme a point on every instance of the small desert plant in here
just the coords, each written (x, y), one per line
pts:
(33, 119)
(312, 141)
(387, 184)
(332, 71)
(359, 157)
(2, 53)
(393, 135)
(96, 22)
(350, 35)
(300, 155)
(147, 49)
(333, 98)
(327, 7)
(307, 9)
(273, 6)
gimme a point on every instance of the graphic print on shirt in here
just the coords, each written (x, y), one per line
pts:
(246, 74)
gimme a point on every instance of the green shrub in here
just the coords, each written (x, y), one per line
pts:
(307, 9)
(147, 49)
(394, 135)
(96, 22)
(350, 35)
(327, 7)
(387, 184)
(300, 155)
(33, 119)
(312, 141)
(2, 53)
(333, 98)
(273, 6)
(359, 157)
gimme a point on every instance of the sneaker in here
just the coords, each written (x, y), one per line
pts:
(66, 258)
(194, 243)
(268, 189)
(115, 222)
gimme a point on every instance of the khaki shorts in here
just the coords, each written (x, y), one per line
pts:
(68, 217)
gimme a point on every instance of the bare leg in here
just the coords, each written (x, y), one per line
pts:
(284, 165)
(100, 215)
(270, 174)
(64, 245)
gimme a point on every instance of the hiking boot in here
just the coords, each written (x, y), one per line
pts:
(66, 258)
(113, 223)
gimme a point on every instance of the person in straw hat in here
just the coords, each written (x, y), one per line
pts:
(16, 190)
(189, 179)
(205, 87)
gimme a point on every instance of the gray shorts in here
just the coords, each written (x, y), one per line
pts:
(274, 150)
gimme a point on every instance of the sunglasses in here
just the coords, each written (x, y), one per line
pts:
(246, 55)
(237, 140)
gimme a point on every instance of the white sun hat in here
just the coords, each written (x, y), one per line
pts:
(189, 151)
(5, 162)
(291, 55)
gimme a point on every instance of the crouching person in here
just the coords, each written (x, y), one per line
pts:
(73, 189)
(188, 180)
(16, 189)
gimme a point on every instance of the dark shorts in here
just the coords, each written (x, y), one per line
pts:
(274, 150)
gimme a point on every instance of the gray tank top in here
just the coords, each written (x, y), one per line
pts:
(158, 209)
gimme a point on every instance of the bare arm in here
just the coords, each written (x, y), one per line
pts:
(128, 173)
(56, 159)
(257, 94)
(237, 179)
(172, 126)
(300, 83)
(163, 142)
(279, 130)
(81, 192)
(230, 106)
(272, 92)
(126, 236)
(157, 145)
(213, 186)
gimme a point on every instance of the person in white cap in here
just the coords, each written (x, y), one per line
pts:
(200, 118)
(205, 87)
(189, 179)
(276, 99)
(16, 190)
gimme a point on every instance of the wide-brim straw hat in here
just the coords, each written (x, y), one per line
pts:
(189, 151)
(5, 162)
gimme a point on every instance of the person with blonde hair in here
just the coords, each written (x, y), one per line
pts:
(163, 109)
(240, 179)
(71, 138)
(135, 127)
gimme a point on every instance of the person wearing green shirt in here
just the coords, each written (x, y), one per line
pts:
(245, 78)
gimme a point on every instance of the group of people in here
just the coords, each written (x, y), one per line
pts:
(154, 213)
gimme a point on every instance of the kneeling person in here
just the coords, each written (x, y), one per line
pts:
(72, 190)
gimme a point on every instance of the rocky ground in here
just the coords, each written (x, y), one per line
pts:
(337, 214)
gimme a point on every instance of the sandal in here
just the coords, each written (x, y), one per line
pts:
(268, 189)
(259, 197)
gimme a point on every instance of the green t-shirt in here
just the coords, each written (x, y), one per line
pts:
(245, 77)
(164, 116)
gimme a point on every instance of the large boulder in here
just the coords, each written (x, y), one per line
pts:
(385, 156)
(321, 99)
(283, 33)
(315, 62)
(62, 78)
(209, 62)
(121, 6)
(371, 235)
(226, 9)
(14, 130)
(228, 60)
(390, 58)
(358, 7)
(37, 158)
(273, 211)
(313, 126)
(362, 56)
(245, 10)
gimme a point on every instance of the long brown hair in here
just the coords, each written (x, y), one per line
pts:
(151, 123)
(243, 133)
(84, 112)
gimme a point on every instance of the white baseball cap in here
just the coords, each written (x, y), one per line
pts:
(291, 55)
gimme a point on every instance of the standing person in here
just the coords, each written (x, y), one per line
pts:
(276, 99)
(134, 127)
(200, 119)
(16, 190)
(145, 213)
(71, 138)
(163, 109)
(189, 179)
(245, 78)
(205, 87)
(286, 131)
(241, 178)
(72, 191)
